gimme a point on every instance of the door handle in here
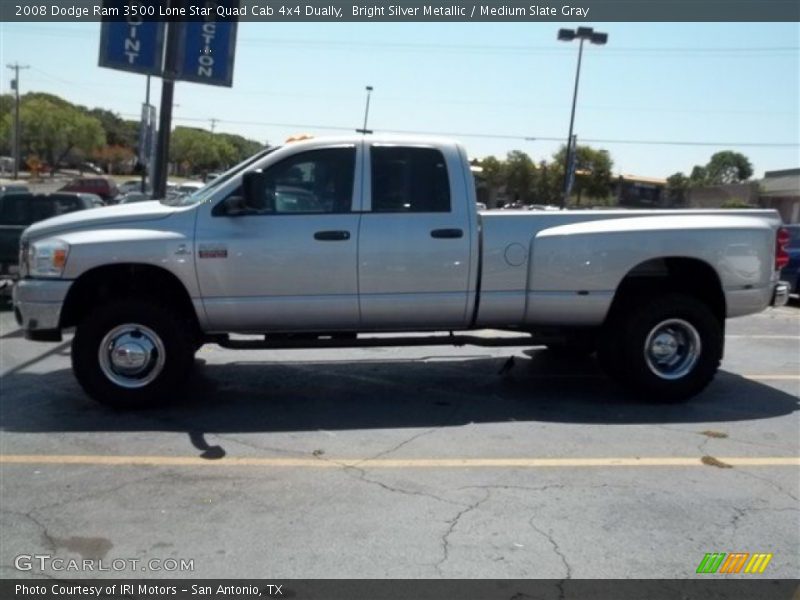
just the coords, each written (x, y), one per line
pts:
(447, 233)
(332, 236)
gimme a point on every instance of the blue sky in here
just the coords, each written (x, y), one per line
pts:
(723, 83)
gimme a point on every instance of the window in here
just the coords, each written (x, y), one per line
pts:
(317, 181)
(409, 180)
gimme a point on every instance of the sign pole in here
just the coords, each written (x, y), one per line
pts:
(145, 140)
(159, 179)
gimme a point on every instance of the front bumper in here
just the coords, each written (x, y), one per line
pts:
(37, 307)
(780, 294)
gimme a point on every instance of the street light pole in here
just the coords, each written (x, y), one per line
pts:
(567, 35)
(366, 113)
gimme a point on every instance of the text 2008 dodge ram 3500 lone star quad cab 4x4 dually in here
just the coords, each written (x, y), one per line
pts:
(318, 242)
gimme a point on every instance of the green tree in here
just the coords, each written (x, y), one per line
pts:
(119, 132)
(242, 147)
(198, 150)
(520, 176)
(6, 109)
(592, 171)
(53, 128)
(698, 176)
(728, 167)
(493, 172)
(677, 186)
(549, 183)
(115, 158)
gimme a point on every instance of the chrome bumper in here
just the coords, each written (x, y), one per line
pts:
(780, 294)
(37, 307)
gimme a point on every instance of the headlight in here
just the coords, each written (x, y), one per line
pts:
(47, 258)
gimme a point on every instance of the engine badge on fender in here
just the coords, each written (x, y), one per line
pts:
(212, 251)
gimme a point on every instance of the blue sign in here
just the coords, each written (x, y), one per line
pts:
(131, 44)
(207, 47)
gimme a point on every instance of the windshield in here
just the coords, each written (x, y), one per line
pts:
(202, 193)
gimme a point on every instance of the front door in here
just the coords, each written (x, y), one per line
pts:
(288, 264)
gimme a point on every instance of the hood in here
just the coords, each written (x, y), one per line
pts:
(98, 217)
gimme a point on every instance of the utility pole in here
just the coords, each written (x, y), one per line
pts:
(213, 124)
(15, 85)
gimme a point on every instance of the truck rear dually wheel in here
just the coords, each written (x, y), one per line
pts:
(665, 348)
(131, 353)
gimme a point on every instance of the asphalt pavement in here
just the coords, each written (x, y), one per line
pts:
(430, 462)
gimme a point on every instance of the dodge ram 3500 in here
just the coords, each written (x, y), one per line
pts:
(320, 243)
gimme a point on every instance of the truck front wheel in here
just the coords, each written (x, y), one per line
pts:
(666, 348)
(131, 354)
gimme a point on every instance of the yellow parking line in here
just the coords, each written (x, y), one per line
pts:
(764, 337)
(771, 377)
(410, 463)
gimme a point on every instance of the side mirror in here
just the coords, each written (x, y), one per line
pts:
(254, 185)
(232, 206)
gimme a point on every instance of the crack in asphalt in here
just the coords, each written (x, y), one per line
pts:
(396, 447)
(94, 493)
(254, 446)
(561, 555)
(46, 537)
(361, 475)
(557, 486)
(769, 481)
(730, 438)
(445, 539)
(738, 513)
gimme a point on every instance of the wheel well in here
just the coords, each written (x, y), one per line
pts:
(689, 276)
(101, 284)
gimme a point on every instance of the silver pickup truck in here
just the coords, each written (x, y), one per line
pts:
(324, 242)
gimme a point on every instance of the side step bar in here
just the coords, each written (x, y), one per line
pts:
(299, 341)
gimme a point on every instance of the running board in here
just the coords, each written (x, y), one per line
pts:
(278, 342)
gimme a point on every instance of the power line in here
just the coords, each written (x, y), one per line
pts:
(501, 136)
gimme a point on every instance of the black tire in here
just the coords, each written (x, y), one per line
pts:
(136, 320)
(685, 341)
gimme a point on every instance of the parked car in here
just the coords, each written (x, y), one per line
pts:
(91, 167)
(95, 200)
(104, 187)
(188, 187)
(134, 197)
(791, 272)
(132, 185)
(13, 188)
(398, 247)
(18, 211)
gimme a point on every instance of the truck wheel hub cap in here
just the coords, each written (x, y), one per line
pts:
(131, 355)
(672, 349)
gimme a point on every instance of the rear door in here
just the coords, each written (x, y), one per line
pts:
(414, 239)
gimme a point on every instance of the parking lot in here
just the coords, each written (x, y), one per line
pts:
(430, 462)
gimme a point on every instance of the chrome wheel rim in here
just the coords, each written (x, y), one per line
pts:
(672, 349)
(131, 355)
